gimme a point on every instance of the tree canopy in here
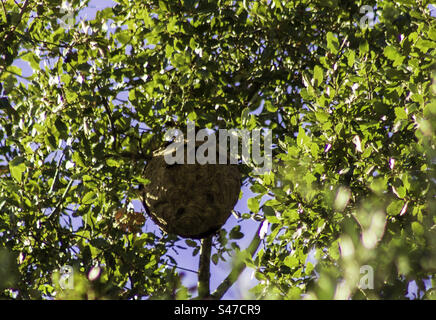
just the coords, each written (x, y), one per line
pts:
(349, 101)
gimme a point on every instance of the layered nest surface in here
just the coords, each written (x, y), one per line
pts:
(190, 200)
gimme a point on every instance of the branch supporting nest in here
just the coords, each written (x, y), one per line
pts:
(204, 268)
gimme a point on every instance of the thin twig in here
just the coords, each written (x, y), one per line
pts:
(4, 11)
(111, 122)
(55, 212)
(181, 268)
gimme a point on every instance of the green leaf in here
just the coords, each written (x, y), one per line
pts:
(291, 262)
(270, 107)
(379, 185)
(425, 45)
(245, 117)
(215, 259)
(112, 163)
(17, 166)
(318, 75)
(253, 204)
(191, 243)
(395, 207)
(417, 228)
(192, 116)
(351, 58)
(61, 129)
(400, 113)
(32, 59)
(270, 214)
(334, 250)
(89, 197)
(14, 69)
(236, 233)
(302, 139)
(123, 36)
(309, 268)
(258, 188)
(132, 95)
(363, 47)
(390, 52)
(163, 5)
(322, 116)
(332, 43)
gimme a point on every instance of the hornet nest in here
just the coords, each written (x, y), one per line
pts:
(190, 200)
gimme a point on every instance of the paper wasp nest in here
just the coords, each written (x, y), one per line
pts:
(190, 200)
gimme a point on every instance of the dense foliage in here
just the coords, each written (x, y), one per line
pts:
(351, 107)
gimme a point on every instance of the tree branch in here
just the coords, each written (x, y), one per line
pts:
(238, 269)
(204, 268)
(111, 121)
